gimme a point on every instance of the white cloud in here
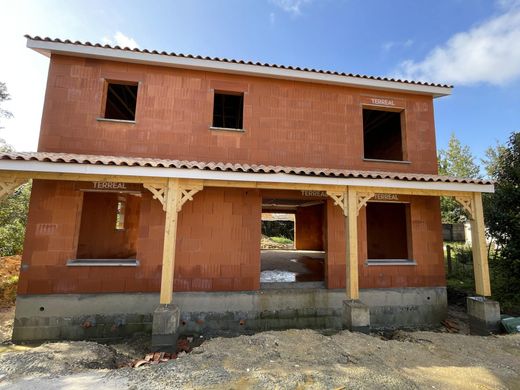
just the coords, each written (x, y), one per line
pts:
(387, 46)
(121, 40)
(272, 18)
(292, 7)
(487, 53)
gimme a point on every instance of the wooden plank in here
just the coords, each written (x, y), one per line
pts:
(351, 233)
(478, 241)
(411, 191)
(84, 177)
(170, 238)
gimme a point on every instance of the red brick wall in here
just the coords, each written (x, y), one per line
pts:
(217, 245)
(287, 122)
(426, 249)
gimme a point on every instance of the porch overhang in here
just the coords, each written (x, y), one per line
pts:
(174, 182)
(61, 166)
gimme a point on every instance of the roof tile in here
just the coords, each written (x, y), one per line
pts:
(217, 59)
(230, 167)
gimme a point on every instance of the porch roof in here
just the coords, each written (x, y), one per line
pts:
(89, 164)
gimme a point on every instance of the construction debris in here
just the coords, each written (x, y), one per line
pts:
(450, 326)
(183, 346)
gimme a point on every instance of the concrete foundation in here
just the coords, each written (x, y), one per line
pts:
(109, 316)
(484, 315)
(356, 316)
(165, 328)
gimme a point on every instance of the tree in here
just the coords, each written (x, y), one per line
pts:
(4, 96)
(502, 215)
(13, 219)
(491, 161)
(457, 160)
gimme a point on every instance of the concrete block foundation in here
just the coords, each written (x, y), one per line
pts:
(110, 316)
(356, 316)
(165, 328)
(484, 316)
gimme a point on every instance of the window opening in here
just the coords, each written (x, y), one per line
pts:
(388, 231)
(228, 110)
(100, 237)
(121, 101)
(292, 243)
(120, 214)
(382, 135)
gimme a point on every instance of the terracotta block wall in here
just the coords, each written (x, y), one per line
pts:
(313, 125)
(309, 228)
(217, 244)
(426, 249)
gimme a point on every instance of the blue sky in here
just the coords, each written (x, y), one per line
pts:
(473, 44)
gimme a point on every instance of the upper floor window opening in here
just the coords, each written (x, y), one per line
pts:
(121, 101)
(383, 135)
(228, 110)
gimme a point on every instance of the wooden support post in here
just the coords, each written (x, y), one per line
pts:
(351, 213)
(448, 258)
(170, 237)
(478, 243)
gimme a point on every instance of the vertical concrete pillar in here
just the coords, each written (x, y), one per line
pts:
(484, 315)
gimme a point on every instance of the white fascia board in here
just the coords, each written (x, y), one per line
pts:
(181, 173)
(46, 48)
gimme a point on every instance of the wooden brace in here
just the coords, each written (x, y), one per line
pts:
(161, 192)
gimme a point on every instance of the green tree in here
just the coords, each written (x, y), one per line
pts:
(13, 219)
(502, 215)
(491, 161)
(4, 96)
(14, 207)
(457, 160)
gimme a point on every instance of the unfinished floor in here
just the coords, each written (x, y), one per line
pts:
(291, 266)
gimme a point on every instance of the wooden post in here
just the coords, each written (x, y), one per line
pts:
(170, 237)
(478, 243)
(448, 258)
(351, 212)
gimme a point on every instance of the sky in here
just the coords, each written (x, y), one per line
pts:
(471, 44)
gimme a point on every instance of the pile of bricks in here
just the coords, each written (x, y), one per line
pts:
(183, 345)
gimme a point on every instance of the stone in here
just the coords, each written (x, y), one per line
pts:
(165, 328)
(356, 316)
(484, 315)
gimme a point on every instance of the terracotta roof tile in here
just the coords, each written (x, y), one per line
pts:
(172, 54)
(230, 167)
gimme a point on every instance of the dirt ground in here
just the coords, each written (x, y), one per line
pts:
(292, 359)
(9, 271)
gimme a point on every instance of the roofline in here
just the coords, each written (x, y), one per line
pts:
(48, 47)
(184, 173)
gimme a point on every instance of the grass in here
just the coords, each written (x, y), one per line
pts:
(281, 240)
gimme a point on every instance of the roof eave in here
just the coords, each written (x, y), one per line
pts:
(32, 166)
(48, 47)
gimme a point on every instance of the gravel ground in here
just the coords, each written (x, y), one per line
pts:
(291, 359)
